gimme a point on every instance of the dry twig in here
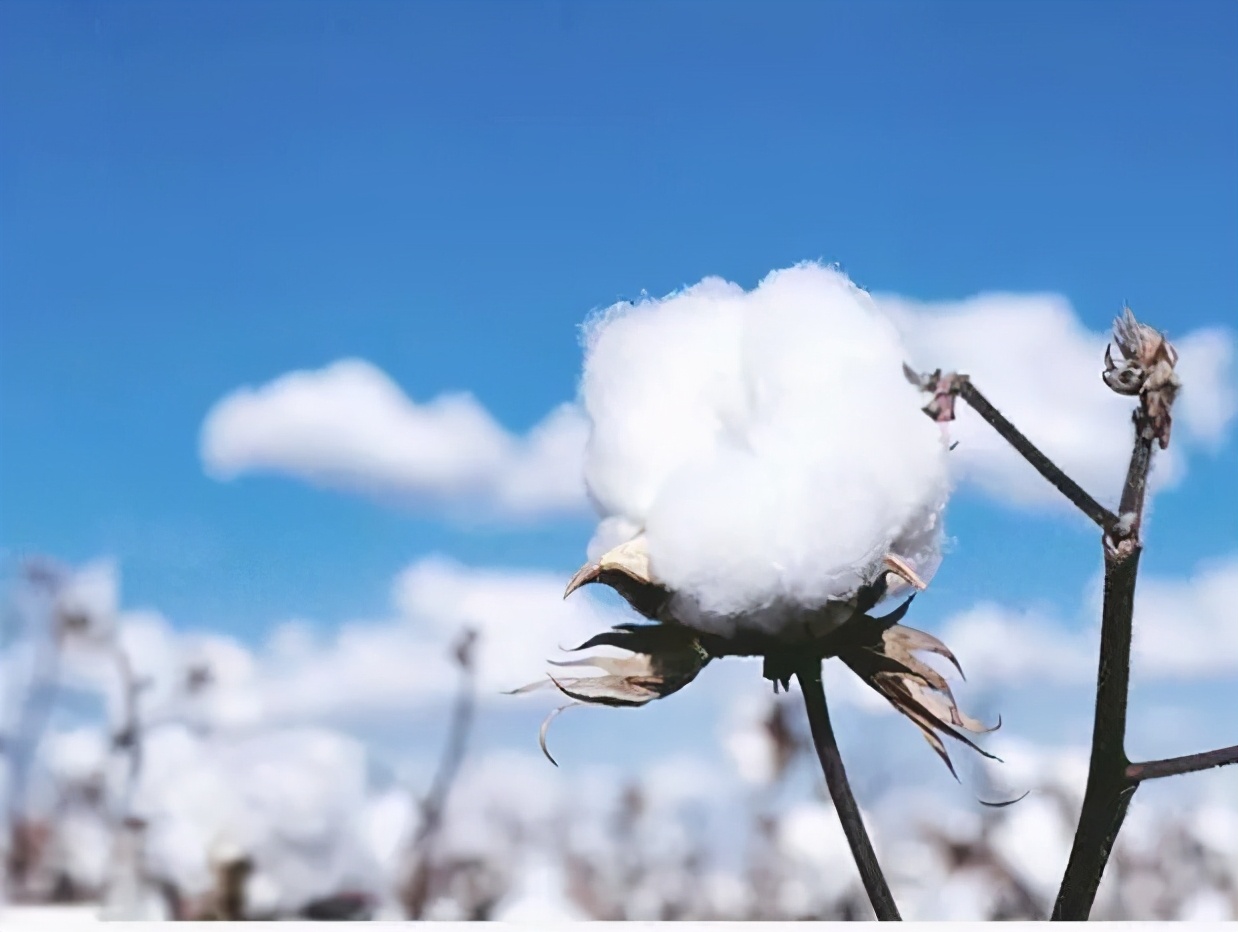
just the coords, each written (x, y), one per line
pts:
(416, 892)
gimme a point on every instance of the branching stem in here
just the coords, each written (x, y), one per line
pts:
(946, 388)
(1108, 792)
(1174, 766)
(1147, 371)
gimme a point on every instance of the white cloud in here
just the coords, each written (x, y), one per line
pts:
(1037, 363)
(1209, 401)
(350, 426)
(1188, 627)
(1000, 645)
(365, 668)
(403, 662)
(1183, 628)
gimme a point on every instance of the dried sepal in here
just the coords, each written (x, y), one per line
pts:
(666, 655)
(615, 666)
(665, 658)
(886, 661)
(609, 690)
(921, 380)
(627, 570)
(1142, 345)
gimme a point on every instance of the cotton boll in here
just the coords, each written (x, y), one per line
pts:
(811, 838)
(89, 599)
(611, 532)
(766, 441)
(82, 847)
(1206, 906)
(389, 820)
(658, 376)
(76, 756)
(1035, 842)
(540, 895)
(292, 801)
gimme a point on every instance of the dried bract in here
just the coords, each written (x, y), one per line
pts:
(664, 659)
(886, 661)
(1146, 369)
(667, 655)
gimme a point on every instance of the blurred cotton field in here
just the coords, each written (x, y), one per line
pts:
(135, 789)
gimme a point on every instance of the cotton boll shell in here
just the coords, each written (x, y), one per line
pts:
(766, 442)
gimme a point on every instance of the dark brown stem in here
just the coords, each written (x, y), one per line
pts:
(1102, 516)
(1173, 766)
(840, 791)
(1108, 792)
(1147, 370)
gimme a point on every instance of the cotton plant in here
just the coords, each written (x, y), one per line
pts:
(154, 810)
(766, 477)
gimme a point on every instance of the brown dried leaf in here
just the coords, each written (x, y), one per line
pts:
(529, 687)
(638, 665)
(906, 640)
(887, 664)
(671, 659)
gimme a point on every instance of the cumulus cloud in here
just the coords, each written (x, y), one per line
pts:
(1183, 628)
(350, 426)
(366, 668)
(1035, 360)
(1186, 627)
(401, 662)
(1003, 645)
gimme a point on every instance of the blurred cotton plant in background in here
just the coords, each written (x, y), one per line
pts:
(266, 820)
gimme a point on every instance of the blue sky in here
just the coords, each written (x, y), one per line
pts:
(196, 197)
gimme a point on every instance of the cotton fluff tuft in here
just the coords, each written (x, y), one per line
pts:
(767, 442)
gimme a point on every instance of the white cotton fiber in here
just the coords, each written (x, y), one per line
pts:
(767, 441)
